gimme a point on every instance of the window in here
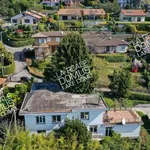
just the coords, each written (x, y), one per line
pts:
(48, 39)
(57, 39)
(108, 131)
(41, 131)
(123, 48)
(42, 41)
(14, 20)
(40, 120)
(27, 20)
(85, 115)
(56, 119)
(93, 129)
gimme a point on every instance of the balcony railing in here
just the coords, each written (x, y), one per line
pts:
(96, 136)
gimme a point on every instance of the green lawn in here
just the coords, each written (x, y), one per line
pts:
(111, 102)
(121, 22)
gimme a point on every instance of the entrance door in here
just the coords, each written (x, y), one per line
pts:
(53, 49)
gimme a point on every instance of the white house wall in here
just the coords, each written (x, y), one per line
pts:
(142, 19)
(133, 18)
(20, 19)
(16, 17)
(27, 17)
(95, 118)
(128, 130)
(54, 3)
(121, 49)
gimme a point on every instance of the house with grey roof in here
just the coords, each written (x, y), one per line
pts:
(44, 111)
(107, 45)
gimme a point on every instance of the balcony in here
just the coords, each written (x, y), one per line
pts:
(96, 136)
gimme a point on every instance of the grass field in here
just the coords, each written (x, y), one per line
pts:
(121, 22)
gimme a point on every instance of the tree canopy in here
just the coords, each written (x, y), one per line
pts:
(120, 83)
(22, 140)
(77, 128)
(72, 55)
(12, 7)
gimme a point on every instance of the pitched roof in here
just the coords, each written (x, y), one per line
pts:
(80, 12)
(93, 12)
(2, 80)
(133, 12)
(49, 34)
(117, 116)
(109, 42)
(34, 14)
(76, 12)
(45, 101)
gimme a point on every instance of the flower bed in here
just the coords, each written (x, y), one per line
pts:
(34, 72)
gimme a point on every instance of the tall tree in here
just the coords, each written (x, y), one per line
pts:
(77, 128)
(72, 61)
(120, 83)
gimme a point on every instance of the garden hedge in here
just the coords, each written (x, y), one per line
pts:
(17, 42)
(113, 57)
(8, 69)
(139, 96)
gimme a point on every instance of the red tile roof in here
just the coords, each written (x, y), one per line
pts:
(79, 12)
(116, 116)
(76, 12)
(2, 80)
(34, 14)
(133, 12)
(93, 12)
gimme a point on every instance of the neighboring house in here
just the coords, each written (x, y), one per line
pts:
(124, 3)
(28, 18)
(109, 45)
(78, 14)
(45, 111)
(125, 122)
(132, 15)
(46, 43)
(51, 2)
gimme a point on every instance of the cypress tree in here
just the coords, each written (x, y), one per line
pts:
(72, 51)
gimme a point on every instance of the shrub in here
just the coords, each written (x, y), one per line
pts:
(139, 96)
(34, 72)
(9, 69)
(17, 42)
(147, 18)
(141, 32)
(56, 17)
(113, 57)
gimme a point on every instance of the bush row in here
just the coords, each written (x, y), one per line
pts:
(140, 96)
(17, 42)
(113, 57)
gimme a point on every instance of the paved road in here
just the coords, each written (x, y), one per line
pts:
(20, 67)
(16, 49)
(20, 64)
(145, 108)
